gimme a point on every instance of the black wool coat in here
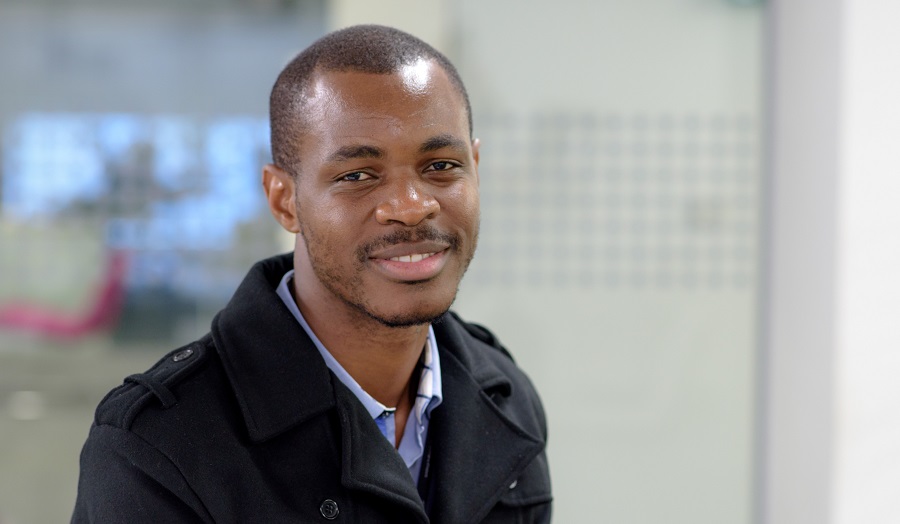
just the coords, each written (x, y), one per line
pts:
(248, 424)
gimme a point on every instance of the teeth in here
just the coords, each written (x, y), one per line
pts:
(418, 257)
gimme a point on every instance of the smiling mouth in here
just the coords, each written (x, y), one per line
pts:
(415, 257)
(410, 267)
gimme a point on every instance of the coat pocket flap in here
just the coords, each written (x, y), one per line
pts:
(531, 487)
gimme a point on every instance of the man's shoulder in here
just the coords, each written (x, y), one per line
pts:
(480, 333)
(472, 342)
(161, 387)
(480, 351)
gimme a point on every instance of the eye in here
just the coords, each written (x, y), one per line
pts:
(356, 176)
(443, 165)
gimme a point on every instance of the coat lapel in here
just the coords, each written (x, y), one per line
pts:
(474, 445)
(279, 378)
(369, 463)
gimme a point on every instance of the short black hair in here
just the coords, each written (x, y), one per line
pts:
(365, 48)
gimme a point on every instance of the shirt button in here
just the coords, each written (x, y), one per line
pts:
(329, 509)
(514, 484)
(183, 355)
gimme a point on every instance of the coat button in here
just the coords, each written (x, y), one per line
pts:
(182, 355)
(514, 484)
(329, 509)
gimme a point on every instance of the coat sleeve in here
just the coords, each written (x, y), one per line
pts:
(125, 479)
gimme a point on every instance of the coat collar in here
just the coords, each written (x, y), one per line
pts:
(279, 378)
(280, 381)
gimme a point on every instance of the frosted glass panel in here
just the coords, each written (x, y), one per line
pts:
(620, 176)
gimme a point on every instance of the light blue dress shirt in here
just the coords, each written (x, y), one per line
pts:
(428, 397)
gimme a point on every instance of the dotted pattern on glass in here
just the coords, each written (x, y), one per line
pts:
(618, 200)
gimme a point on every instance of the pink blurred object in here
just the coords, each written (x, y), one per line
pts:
(100, 314)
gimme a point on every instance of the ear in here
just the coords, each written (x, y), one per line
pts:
(281, 195)
(476, 147)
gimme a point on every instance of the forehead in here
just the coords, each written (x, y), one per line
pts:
(416, 98)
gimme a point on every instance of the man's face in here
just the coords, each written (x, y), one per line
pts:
(386, 194)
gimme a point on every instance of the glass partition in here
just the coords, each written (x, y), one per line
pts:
(618, 259)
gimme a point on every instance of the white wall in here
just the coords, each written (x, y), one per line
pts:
(832, 449)
(867, 406)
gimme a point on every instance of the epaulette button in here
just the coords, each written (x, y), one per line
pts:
(183, 355)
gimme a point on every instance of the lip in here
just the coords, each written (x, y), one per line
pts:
(409, 248)
(403, 271)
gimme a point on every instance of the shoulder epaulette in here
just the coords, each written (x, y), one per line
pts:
(122, 404)
(483, 334)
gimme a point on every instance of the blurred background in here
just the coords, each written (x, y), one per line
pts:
(664, 243)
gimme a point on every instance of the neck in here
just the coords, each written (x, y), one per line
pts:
(380, 359)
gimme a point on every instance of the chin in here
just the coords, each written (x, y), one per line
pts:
(408, 304)
(407, 317)
(408, 321)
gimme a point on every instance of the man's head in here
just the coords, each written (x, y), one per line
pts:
(376, 170)
(364, 48)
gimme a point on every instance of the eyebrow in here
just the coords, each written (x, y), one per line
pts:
(351, 152)
(361, 151)
(441, 141)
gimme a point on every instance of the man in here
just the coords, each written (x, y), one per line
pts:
(335, 385)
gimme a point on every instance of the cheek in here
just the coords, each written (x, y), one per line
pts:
(466, 206)
(323, 215)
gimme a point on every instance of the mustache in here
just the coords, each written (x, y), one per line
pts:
(403, 236)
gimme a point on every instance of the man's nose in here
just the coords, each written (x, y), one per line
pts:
(406, 202)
